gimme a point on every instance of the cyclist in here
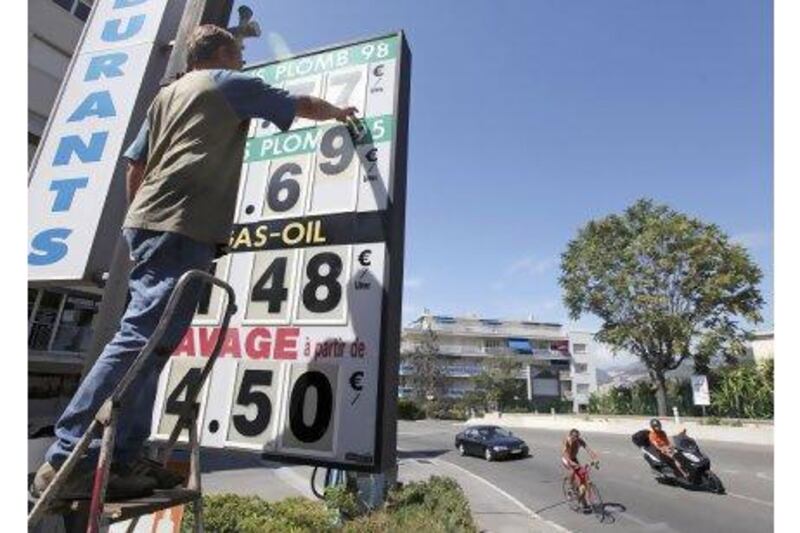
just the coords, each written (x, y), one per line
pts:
(569, 458)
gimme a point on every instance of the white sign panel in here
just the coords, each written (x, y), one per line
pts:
(300, 376)
(700, 390)
(71, 175)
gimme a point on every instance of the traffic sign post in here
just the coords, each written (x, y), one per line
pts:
(308, 370)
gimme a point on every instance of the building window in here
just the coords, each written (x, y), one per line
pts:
(580, 368)
(583, 388)
(33, 296)
(66, 4)
(80, 9)
(75, 326)
(44, 320)
(579, 348)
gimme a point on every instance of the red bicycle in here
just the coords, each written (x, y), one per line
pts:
(591, 494)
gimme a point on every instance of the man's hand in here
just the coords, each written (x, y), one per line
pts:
(346, 113)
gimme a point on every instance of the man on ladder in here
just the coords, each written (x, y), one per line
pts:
(182, 182)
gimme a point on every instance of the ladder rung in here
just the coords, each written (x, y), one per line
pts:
(127, 509)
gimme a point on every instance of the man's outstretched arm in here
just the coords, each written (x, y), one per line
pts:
(318, 109)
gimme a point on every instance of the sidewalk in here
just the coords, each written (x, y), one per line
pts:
(494, 510)
(750, 433)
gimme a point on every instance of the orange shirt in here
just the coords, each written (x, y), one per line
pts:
(658, 438)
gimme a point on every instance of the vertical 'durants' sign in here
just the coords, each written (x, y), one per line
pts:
(73, 219)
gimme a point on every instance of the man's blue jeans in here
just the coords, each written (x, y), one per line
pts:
(159, 259)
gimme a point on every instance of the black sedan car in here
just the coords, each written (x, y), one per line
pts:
(490, 442)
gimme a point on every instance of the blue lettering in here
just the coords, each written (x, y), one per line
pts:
(118, 4)
(49, 246)
(112, 33)
(97, 104)
(107, 65)
(86, 153)
(65, 192)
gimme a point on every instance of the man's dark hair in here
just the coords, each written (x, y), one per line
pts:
(574, 432)
(205, 41)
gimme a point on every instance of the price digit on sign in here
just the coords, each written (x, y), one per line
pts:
(182, 381)
(348, 81)
(271, 277)
(175, 405)
(336, 143)
(283, 191)
(270, 286)
(262, 403)
(322, 412)
(331, 264)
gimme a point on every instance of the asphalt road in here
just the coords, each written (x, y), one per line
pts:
(635, 501)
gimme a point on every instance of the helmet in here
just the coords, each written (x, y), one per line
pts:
(655, 423)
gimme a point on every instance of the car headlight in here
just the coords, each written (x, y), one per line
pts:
(500, 448)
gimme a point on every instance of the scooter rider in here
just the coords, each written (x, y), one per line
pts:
(659, 440)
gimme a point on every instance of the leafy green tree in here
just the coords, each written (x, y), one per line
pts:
(667, 287)
(499, 382)
(427, 373)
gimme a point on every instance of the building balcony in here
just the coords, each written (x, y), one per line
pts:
(487, 351)
(465, 371)
(564, 375)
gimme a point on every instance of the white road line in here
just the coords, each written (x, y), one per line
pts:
(513, 500)
(762, 475)
(749, 499)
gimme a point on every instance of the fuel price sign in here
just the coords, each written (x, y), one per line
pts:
(308, 368)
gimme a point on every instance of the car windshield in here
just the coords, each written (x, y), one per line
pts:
(493, 432)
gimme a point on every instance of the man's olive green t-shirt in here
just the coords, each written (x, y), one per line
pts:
(193, 143)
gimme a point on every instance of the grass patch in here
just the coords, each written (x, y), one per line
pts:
(437, 505)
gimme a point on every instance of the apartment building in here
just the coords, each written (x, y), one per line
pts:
(467, 343)
(585, 351)
(761, 346)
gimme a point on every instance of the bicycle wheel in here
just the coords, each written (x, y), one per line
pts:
(570, 494)
(594, 500)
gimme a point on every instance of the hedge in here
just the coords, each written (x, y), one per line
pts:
(437, 505)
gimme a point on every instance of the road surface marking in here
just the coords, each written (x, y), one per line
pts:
(749, 499)
(762, 475)
(513, 500)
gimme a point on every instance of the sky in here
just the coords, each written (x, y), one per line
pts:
(529, 118)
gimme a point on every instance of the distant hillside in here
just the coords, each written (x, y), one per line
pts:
(633, 372)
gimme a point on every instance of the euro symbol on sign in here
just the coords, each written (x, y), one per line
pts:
(363, 258)
(357, 380)
(372, 155)
(378, 71)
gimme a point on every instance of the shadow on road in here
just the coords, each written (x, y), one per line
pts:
(420, 454)
(610, 512)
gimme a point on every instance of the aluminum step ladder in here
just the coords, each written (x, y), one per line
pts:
(101, 513)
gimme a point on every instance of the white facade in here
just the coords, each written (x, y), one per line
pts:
(762, 346)
(59, 318)
(584, 351)
(54, 27)
(468, 342)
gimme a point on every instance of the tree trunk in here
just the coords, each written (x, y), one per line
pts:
(661, 393)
